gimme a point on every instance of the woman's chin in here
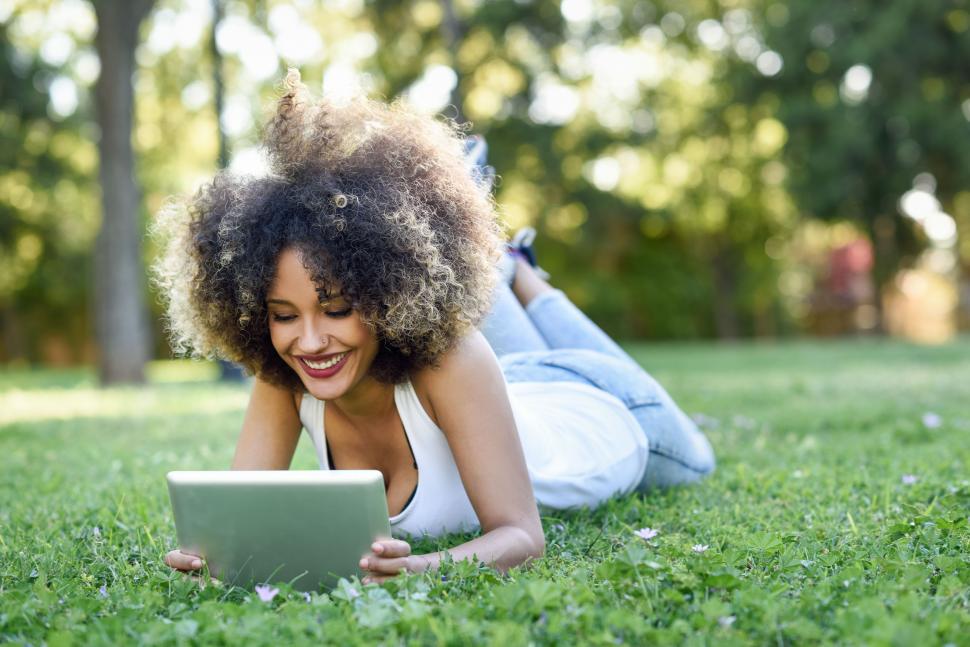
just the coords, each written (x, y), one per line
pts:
(324, 391)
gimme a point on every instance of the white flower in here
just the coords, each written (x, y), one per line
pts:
(699, 548)
(646, 533)
(726, 621)
(266, 592)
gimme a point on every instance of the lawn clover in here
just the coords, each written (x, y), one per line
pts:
(744, 422)
(932, 420)
(909, 479)
(646, 533)
(699, 548)
(266, 592)
(704, 421)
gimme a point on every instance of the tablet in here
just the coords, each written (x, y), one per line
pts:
(307, 528)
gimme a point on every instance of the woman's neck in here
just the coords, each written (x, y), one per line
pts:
(367, 400)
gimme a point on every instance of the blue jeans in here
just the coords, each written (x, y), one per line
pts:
(551, 340)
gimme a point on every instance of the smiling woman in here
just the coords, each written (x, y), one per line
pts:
(358, 283)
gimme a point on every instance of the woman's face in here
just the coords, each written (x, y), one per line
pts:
(325, 342)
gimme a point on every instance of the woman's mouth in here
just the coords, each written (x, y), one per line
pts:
(324, 368)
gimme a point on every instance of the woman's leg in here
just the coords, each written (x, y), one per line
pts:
(679, 451)
(553, 315)
(507, 327)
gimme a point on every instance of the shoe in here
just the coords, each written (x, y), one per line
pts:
(476, 156)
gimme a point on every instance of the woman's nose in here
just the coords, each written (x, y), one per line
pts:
(313, 340)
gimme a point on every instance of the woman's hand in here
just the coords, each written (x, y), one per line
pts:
(185, 562)
(389, 557)
(190, 565)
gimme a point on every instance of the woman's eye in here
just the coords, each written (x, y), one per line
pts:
(336, 314)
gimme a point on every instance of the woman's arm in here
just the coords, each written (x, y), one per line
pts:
(471, 405)
(270, 431)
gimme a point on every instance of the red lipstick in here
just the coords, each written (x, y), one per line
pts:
(321, 373)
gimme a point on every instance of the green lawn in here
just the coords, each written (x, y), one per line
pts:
(814, 534)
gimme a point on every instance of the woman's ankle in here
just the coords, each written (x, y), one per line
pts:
(527, 284)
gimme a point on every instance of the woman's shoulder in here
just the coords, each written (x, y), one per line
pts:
(469, 355)
(465, 370)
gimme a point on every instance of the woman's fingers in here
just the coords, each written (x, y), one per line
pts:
(384, 566)
(391, 548)
(388, 557)
(183, 561)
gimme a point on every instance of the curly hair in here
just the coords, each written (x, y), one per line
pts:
(377, 199)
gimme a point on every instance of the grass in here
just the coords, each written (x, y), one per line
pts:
(813, 536)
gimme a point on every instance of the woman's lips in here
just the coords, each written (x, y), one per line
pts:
(321, 373)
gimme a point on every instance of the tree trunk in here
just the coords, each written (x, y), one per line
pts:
(725, 294)
(13, 342)
(882, 233)
(218, 87)
(453, 32)
(121, 318)
(228, 372)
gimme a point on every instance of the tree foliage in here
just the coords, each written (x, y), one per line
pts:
(47, 214)
(669, 151)
(872, 94)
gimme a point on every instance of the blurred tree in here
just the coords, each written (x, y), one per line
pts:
(658, 144)
(46, 211)
(228, 371)
(872, 94)
(218, 86)
(120, 314)
(453, 32)
(613, 132)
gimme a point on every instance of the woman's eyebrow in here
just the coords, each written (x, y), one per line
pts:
(282, 302)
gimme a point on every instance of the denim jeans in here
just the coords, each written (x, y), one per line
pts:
(551, 340)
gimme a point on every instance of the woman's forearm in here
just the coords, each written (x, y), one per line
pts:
(501, 548)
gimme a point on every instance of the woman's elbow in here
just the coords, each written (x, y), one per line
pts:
(529, 544)
(537, 544)
(539, 547)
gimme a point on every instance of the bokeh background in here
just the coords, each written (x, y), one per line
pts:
(696, 168)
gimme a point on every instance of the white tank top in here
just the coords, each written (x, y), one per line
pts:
(581, 445)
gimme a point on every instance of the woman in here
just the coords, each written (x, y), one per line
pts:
(354, 283)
